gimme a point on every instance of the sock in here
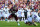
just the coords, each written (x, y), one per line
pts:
(22, 19)
(18, 23)
(8, 20)
(34, 24)
(11, 20)
(1, 19)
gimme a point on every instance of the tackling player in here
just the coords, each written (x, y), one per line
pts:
(30, 21)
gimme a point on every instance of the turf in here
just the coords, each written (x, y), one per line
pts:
(14, 24)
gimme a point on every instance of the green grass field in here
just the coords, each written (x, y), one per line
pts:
(14, 24)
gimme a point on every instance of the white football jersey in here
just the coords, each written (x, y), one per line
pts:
(19, 13)
(6, 12)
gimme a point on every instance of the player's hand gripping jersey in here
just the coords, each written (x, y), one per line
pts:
(28, 19)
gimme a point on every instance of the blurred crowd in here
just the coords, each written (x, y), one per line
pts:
(31, 6)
